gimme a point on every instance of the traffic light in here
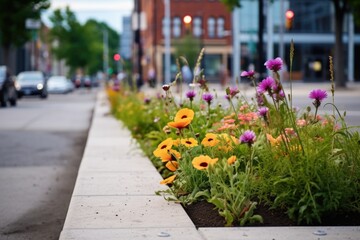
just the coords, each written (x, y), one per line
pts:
(117, 57)
(187, 21)
(289, 19)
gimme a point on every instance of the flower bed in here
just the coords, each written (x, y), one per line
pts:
(247, 154)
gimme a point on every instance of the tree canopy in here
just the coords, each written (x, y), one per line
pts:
(13, 15)
(81, 46)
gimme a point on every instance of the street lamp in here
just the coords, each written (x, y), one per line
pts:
(187, 20)
(289, 19)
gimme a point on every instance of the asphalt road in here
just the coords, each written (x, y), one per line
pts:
(41, 146)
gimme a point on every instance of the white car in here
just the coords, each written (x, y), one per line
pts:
(59, 84)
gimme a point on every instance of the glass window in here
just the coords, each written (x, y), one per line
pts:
(211, 27)
(220, 27)
(176, 27)
(197, 31)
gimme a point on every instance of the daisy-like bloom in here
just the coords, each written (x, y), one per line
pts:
(248, 74)
(227, 142)
(208, 97)
(203, 161)
(210, 140)
(171, 155)
(274, 64)
(168, 180)
(274, 141)
(318, 95)
(191, 95)
(266, 85)
(231, 159)
(182, 118)
(263, 111)
(172, 165)
(189, 142)
(163, 147)
(248, 137)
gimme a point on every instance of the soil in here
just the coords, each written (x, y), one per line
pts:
(204, 214)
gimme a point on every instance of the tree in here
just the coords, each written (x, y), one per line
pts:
(81, 46)
(13, 15)
(189, 48)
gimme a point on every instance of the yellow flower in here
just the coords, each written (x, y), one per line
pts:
(231, 160)
(182, 118)
(172, 165)
(168, 180)
(164, 146)
(210, 140)
(203, 161)
(189, 142)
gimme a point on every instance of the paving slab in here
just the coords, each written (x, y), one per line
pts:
(125, 212)
(133, 234)
(118, 183)
(281, 233)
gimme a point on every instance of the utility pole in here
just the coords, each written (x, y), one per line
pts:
(167, 42)
(139, 80)
(105, 52)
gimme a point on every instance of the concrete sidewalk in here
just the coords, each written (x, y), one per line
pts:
(114, 197)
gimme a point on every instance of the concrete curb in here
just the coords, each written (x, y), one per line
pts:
(114, 197)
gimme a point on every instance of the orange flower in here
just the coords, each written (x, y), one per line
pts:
(164, 146)
(231, 160)
(182, 118)
(169, 155)
(203, 161)
(168, 180)
(184, 113)
(210, 140)
(274, 141)
(189, 142)
(172, 165)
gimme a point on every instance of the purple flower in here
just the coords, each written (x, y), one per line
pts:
(260, 99)
(232, 91)
(318, 95)
(147, 100)
(263, 111)
(266, 85)
(274, 64)
(208, 97)
(248, 137)
(248, 74)
(191, 94)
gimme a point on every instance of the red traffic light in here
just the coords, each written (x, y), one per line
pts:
(117, 57)
(289, 14)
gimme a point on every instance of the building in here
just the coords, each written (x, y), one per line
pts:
(312, 29)
(210, 25)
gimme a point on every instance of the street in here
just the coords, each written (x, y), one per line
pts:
(41, 146)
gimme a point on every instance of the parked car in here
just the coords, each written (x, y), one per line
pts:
(31, 83)
(7, 88)
(59, 84)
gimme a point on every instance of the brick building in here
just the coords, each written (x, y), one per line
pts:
(210, 25)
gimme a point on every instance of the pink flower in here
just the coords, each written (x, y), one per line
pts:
(266, 85)
(248, 137)
(274, 64)
(248, 74)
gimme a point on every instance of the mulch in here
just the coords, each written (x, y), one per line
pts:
(204, 214)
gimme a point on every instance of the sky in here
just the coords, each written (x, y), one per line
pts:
(108, 11)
